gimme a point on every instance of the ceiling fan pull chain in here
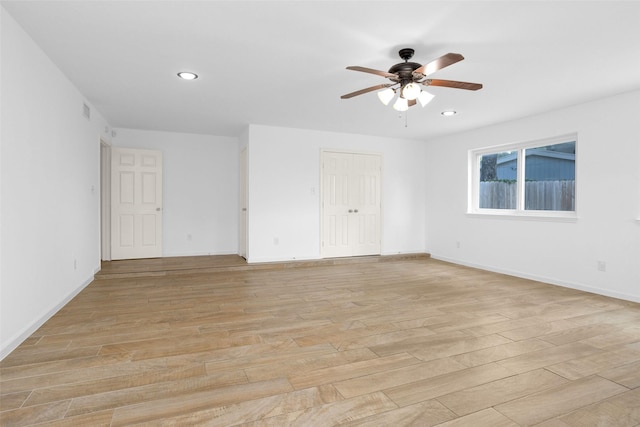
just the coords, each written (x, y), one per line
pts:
(406, 120)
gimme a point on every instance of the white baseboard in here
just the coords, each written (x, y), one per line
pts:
(18, 339)
(280, 259)
(549, 280)
(197, 253)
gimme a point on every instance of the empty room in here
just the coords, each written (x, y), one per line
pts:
(317, 213)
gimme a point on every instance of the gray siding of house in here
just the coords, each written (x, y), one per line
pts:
(540, 166)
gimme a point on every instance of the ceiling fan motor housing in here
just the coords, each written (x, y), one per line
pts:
(404, 70)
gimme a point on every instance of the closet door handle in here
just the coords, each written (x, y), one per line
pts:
(350, 210)
(355, 210)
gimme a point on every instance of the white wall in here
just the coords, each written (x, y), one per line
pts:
(284, 191)
(200, 189)
(50, 187)
(564, 253)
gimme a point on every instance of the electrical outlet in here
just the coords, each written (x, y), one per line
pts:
(276, 241)
(75, 264)
(602, 266)
(458, 244)
(189, 237)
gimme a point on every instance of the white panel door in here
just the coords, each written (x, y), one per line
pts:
(336, 239)
(351, 204)
(366, 175)
(136, 203)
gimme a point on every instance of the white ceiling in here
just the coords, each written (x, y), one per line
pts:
(282, 63)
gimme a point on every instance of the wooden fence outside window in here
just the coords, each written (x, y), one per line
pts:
(539, 195)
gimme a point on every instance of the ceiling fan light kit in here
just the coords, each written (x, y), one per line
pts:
(401, 104)
(425, 97)
(385, 96)
(411, 91)
(407, 78)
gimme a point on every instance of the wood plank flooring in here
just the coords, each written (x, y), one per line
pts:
(410, 341)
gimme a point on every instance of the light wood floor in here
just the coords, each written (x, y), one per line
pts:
(370, 342)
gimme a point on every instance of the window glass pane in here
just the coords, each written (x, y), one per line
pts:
(498, 174)
(550, 177)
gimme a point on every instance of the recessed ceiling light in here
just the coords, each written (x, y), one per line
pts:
(186, 75)
(449, 113)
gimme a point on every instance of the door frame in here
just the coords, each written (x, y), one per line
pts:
(243, 198)
(105, 200)
(321, 201)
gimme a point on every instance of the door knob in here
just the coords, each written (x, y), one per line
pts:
(158, 209)
(355, 210)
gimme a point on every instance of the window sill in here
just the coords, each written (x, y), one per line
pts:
(525, 215)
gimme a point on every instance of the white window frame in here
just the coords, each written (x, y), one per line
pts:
(473, 200)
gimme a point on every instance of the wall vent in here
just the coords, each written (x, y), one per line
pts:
(86, 111)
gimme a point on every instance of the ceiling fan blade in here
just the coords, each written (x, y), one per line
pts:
(361, 91)
(452, 83)
(439, 64)
(371, 71)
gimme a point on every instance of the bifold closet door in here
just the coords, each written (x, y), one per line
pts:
(351, 205)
